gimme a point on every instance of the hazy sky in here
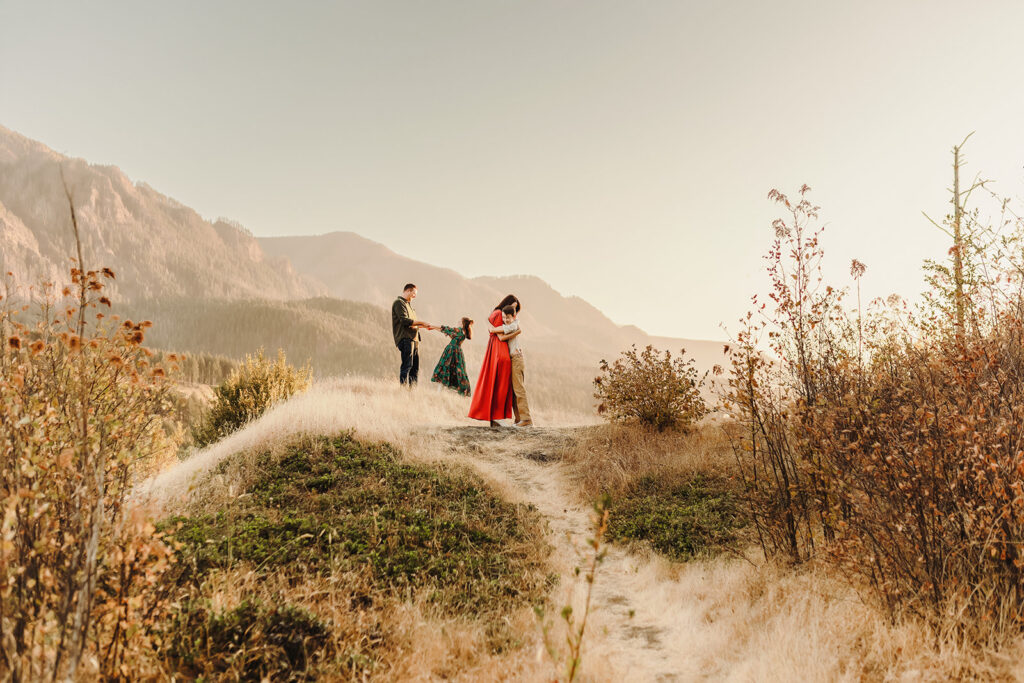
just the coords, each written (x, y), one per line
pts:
(620, 150)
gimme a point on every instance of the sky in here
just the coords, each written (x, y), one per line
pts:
(622, 151)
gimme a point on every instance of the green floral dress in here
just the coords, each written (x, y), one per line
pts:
(451, 369)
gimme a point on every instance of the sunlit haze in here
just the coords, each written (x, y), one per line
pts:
(620, 151)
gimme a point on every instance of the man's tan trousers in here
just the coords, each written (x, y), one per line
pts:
(519, 387)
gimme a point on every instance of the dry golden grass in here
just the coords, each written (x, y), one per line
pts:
(376, 410)
(738, 621)
(606, 458)
(409, 638)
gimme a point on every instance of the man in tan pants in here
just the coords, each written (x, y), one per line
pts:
(509, 333)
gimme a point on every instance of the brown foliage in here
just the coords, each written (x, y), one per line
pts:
(895, 444)
(650, 387)
(80, 405)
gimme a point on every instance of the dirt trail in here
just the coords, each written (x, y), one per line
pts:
(633, 636)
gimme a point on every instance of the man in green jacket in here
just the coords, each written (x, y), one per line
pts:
(407, 334)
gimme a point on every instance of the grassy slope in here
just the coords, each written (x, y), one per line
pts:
(376, 530)
(679, 516)
(674, 491)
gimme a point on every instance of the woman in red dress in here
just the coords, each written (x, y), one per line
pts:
(492, 399)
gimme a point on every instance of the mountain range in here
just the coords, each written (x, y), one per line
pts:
(155, 245)
(191, 272)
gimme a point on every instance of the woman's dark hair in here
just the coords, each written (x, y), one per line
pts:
(466, 323)
(508, 301)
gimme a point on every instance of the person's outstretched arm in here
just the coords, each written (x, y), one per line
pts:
(398, 312)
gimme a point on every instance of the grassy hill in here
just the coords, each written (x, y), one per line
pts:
(338, 533)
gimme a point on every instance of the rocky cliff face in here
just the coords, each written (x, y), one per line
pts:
(157, 246)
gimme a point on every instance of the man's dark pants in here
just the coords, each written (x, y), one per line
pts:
(410, 371)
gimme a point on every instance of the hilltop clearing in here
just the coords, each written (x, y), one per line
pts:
(718, 616)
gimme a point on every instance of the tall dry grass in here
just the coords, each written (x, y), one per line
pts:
(731, 620)
(609, 457)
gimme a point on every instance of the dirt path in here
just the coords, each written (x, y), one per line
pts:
(632, 634)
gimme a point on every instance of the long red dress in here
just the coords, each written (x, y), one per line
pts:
(492, 399)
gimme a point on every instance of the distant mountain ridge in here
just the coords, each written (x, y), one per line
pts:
(355, 268)
(155, 245)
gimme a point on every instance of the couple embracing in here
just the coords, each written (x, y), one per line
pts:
(501, 389)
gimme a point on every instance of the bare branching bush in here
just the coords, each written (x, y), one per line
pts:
(80, 420)
(652, 388)
(256, 385)
(895, 443)
(778, 390)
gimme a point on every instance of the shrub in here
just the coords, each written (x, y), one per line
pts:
(652, 388)
(777, 395)
(894, 443)
(80, 409)
(925, 462)
(256, 385)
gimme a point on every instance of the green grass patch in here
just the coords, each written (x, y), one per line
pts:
(681, 519)
(336, 504)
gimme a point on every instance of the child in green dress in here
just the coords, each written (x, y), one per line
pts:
(451, 368)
